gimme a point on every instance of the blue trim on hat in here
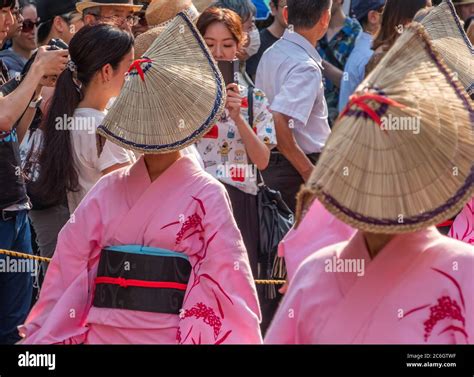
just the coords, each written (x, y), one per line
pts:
(209, 120)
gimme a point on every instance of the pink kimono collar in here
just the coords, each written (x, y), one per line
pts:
(397, 253)
(178, 173)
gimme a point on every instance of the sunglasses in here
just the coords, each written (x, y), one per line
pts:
(29, 25)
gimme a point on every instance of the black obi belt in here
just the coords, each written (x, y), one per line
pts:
(141, 278)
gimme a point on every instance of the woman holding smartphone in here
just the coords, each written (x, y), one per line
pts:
(234, 150)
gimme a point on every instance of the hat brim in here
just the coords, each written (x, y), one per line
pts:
(85, 5)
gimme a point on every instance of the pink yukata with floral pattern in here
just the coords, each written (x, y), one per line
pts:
(184, 210)
(418, 290)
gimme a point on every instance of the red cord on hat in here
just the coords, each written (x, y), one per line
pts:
(137, 65)
(358, 100)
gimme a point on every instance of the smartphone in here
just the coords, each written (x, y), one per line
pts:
(229, 70)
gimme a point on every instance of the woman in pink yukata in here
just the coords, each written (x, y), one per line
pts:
(154, 255)
(397, 280)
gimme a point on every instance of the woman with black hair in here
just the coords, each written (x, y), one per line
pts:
(68, 162)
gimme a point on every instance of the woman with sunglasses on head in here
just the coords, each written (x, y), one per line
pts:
(24, 42)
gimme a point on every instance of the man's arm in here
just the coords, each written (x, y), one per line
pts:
(332, 73)
(288, 146)
(47, 63)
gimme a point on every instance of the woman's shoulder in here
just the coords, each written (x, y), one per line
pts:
(88, 116)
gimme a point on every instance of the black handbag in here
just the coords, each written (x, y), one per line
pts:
(275, 220)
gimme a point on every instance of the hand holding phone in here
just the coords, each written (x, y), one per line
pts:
(229, 70)
(234, 102)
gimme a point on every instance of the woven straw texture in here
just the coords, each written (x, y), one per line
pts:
(396, 181)
(446, 33)
(180, 97)
(161, 12)
(145, 40)
(80, 6)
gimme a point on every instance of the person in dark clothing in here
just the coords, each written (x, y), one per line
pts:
(269, 35)
(15, 275)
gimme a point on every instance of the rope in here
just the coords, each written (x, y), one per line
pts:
(270, 282)
(22, 255)
(43, 259)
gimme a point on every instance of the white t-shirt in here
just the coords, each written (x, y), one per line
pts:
(89, 166)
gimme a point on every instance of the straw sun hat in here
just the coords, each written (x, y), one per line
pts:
(201, 5)
(382, 180)
(85, 4)
(172, 96)
(162, 12)
(447, 34)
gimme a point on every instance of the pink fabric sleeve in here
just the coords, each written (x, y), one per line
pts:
(220, 305)
(60, 313)
(463, 226)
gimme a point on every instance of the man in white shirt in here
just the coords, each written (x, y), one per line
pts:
(290, 73)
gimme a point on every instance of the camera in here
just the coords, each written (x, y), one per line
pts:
(11, 85)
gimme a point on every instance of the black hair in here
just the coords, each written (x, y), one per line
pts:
(306, 13)
(7, 4)
(90, 50)
(365, 20)
(43, 31)
(44, 28)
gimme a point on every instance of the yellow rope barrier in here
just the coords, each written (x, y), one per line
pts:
(44, 259)
(270, 282)
(26, 256)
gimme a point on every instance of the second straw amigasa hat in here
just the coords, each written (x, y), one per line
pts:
(400, 157)
(447, 34)
(173, 95)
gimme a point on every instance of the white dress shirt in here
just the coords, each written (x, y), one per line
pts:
(290, 73)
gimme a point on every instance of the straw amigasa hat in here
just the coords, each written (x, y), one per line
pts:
(377, 173)
(161, 12)
(447, 34)
(172, 96)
